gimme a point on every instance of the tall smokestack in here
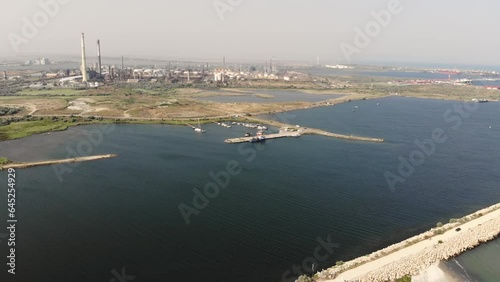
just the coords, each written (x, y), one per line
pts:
(99, 56)
(84, 61)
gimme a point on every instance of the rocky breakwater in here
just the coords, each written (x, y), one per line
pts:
(413, 255)
(443, 250)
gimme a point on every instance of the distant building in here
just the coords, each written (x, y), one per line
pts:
(51, 75)
(339, 67)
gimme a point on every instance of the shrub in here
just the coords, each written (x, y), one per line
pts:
(4, 161)
(440, 242)
(304, 278)
(438, 231)
(439, 224)
(339, 263)
(406, 278)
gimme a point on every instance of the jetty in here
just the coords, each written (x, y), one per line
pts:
(288, 130)
(270, 136)
(414, 255)
(53, 162)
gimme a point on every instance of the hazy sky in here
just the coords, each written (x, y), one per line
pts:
(448, 31)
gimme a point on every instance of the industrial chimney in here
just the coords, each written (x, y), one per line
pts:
(99, 65)
(85, 76)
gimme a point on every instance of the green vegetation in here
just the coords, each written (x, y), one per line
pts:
(304, 278)
(440, 242)
(6, 111)
(4, 161)
(406, 278)
(439, 224)
(339, 263)
(22, 129)
(52, 92)
(438, 231)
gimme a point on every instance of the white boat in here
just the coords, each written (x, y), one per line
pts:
(198, 129)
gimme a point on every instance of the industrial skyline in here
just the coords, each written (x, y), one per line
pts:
(423, 31)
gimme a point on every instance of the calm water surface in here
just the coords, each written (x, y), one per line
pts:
(124, 212)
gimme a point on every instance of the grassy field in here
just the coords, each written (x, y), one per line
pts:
(26, 128)
(52, 92)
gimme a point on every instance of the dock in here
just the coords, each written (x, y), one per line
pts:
(288, 130)
(270, 136)
(53, 162)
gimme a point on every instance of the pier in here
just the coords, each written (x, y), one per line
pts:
(288, 130)
(270, 136)
(53, 162)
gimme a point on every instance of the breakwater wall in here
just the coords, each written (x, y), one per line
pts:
(412, 256)
(52, 162)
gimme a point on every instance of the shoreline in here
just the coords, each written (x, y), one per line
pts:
(345, 98)
(414, 255)
(182, 121)
(436, 273)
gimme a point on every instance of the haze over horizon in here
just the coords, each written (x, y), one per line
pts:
(448, 32)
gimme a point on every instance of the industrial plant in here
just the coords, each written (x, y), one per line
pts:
(93, 73)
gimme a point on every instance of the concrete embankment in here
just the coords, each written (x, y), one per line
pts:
(52, 162)
(414, 255)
